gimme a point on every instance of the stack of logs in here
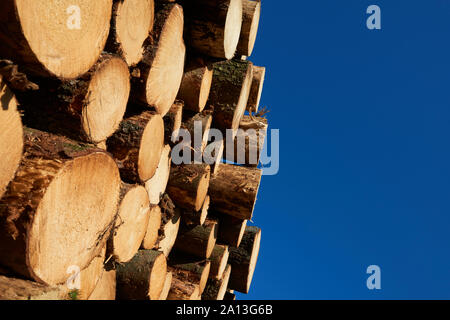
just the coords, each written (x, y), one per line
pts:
(94, 96)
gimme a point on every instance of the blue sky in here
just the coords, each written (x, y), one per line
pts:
(364, 119)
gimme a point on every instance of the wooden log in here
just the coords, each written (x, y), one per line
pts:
(11, 136)
(18, 289)
(170, 225)
(166, 288)
(243, 260)
(219, 260)
(247, 146)
(213, 154)
(106, 287)
(157, 184)
(161, 69)
(91, 275)
(196, 84)
(231, 229)
(131, 223)
(216, 289)
(143, 277)
(154, 224)
(192, 217)
(229, 295)
(64, 42)
(229, 94)
(188, 268)
(131, 23)
(172, 122)
(188, 185)
(197, 240)
(63, 191)
(233, 190)
(198, 125)
(259, 74)
(182, 290)
(251, 11)
(213, 27)
(90, 107)
(137, 146)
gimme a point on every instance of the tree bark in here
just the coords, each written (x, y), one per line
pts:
(182, 290)
(231, 229)
(137, 146)
(251, 11)
(64, 42)
(131, 23)
(216, 289)
(233, 190)
(197, 240)
(170, 225)
(63, 191)
(191, 217)
(143, 277)
(189, 269)
(243, 260)
(18, 289)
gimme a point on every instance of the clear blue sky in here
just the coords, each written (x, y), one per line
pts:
(364, 119)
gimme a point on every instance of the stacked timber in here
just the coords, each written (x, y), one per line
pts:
(115, 119)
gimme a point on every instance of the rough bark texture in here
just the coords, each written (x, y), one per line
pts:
(191, 217)
(182, 290)
(18, 289)
(189, 269)
(197, 240)
(170, 223)
(233, 190)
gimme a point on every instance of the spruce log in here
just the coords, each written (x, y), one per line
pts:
(131, 223)
(170, 224)
(182, 290)
(137, 146)
(166, 288)
(233, 190)
(248, 144)
(154, 224)
(11, 136)
(172, 122)
(62, 39)
(219, 260)
(216, 289)
(198, 125)
(197, 240)
(231, 229)
(229, 94)
(156, 186)
(106, 287)
(18, 289)
(59, 209)
(259, 74)
(188, 185)
(196, 217)
(189, 269)
(213, 27)
(90, 107)
(243, 260)
(196, 84)
(213, 154)
(161, 69)
(143, 277)
(131, 23)
(251, 11)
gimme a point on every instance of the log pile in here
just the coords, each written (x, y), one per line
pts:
(99, 102)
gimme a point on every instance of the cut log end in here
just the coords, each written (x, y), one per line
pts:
(254, 98)
(166, 288)
(195, 87)
(106, 287)
(157, 184)
(154, 224)
(250, 22)
(219, 261)
(232, 30)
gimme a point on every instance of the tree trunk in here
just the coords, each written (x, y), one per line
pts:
(143, 277)
(187, 268)
(106, 287)
(131, 223)
(166, 288)
(154, 224)
(231, 229)
(229, 94)
(172, 121)
(219, 260)
(91, 107)
(170, 225)
(250, 22)
(216, 289)
(11, 136)
(196, 84)
(137, 146)
(192, 217)
(213, 27)
(197, 240)
(65, 41)
(182, 290)
(156, 186)
(63, 191)
(243, 260)
(18, 289)
(161, 69)
(248, 144)
(131, 23)
(233, 190)
(188, 185)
